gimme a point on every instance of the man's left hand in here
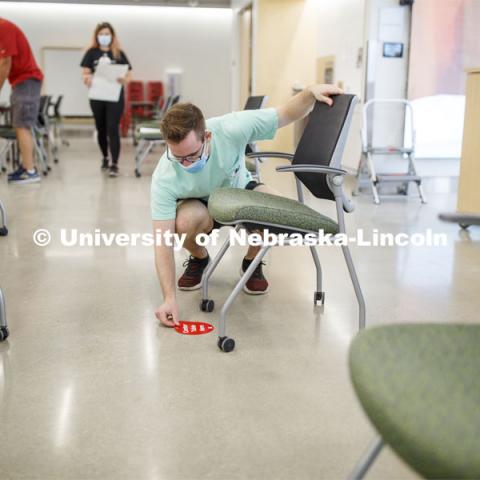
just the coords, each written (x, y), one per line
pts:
(322, 93)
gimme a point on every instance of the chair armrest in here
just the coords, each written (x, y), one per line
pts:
(288, 156)
(311, 169)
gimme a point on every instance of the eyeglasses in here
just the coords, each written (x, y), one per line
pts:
(188, 158)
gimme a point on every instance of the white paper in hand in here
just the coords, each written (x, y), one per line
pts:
(104, 82)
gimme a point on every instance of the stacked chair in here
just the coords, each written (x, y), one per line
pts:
(316, 165)
(55, 121)
(8, 150)
(253, 164)
(147, 135)
(3, 318)
(41, 133)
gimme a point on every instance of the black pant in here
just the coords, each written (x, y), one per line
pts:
(107, 120)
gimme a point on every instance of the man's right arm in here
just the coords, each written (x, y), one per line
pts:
(167, 313)
(5, 66)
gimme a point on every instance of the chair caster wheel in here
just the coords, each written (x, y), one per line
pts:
(4, 333)
(138, 174)
(4, 169)
(464, 226)
(55, 160)
(49, 169)
(226, 344)
(45, 173)
(319, 297)
(3, 231)
(207, 305)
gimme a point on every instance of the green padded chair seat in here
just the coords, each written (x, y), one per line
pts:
(231, 205)
(148, 136)
(420, 386)
(151, 136)
(8, 133)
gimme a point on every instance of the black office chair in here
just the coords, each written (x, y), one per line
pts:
(3, 317)
(255, 102)
(40, 134)
(317, 166)
(147, 135)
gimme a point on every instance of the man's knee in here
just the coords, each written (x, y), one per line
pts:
(192, 218)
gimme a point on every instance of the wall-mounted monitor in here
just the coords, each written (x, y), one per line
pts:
(392, 50)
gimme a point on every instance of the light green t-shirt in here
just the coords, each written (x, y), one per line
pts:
(225, 167)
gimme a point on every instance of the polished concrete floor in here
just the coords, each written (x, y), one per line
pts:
(92, 388)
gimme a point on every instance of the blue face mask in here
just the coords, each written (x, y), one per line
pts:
(198, 165)
(104, 40)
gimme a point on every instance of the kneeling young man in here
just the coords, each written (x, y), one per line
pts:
(202, 156)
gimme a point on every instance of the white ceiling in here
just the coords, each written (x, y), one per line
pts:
(169, 3)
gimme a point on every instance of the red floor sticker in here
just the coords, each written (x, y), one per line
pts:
(193, 328)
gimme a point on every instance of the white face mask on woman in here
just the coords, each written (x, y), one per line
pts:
(104, 40)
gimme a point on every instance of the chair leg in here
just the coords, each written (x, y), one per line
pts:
(367, 460)
(3, 154)
(3, 217)
(373, 178)
(233, 295)
(139, 149)
(3, 318)
(40, 152)
(356, 286)
(209, 271)
(142, 157)
(319, 295)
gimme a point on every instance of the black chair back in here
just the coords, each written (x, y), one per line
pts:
(255, 102)
(323, 142)
(57, 105)
(43, 110)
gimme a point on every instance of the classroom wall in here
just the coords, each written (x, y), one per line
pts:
(341, 35)
(196, 40)
(285, 54)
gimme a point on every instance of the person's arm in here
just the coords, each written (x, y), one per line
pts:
(87, 76)
(5, 67)
(301, 104)
(167, 313)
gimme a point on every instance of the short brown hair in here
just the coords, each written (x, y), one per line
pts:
(180, 120)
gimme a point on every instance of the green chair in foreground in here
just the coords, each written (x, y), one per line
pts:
(420, 387)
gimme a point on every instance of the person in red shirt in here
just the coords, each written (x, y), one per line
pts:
(17, 63)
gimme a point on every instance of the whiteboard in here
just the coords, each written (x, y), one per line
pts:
(63, 76)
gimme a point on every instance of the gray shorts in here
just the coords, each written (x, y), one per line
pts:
(25, 102)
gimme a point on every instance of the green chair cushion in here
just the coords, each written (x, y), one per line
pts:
(8, 133)
(420, 387)
(148, 136)
(151, 136)
(234, 205)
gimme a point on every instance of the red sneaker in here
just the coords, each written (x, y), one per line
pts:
(192, 277)
(257, 283)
